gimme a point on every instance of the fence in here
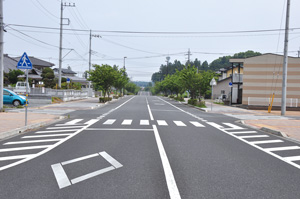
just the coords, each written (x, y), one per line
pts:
(257, 101)
(68, 95)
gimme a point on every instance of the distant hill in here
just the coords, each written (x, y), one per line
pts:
(141, 84)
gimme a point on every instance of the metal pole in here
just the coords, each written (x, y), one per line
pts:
(1, 55)
(232, 84)
(60, 44)
(285, 60)
(90, 51)
(26, 97)
(212, 90)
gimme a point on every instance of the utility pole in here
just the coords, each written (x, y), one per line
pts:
(285, 60)
(61, 38)
(167, 60)
(90, 51)
(124, 64)
(189, 56)
(1, 55)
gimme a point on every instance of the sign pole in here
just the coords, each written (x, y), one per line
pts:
(212, 88)
(26, 97)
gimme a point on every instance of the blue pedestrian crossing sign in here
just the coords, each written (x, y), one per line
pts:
(24, 62)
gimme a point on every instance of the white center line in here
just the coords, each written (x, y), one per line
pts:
(150, 113)
(171, 183)
(127, 122)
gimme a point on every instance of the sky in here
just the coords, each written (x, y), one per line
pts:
(147, 31)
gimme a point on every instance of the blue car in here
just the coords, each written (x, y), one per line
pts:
(10, 97)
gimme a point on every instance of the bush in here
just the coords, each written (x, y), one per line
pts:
(201, 104)
(115, 97)
(104, 99)
(179, 99)
(185, 96)
(171, 96)
(192, 102)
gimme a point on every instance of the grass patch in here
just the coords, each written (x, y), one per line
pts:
(221, 103)
(56, 100)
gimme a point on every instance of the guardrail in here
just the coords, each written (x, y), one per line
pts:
(259, 101)
(69, 95)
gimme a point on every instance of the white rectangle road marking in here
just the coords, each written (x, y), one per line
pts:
(16, 157)
(144, 122)
(266, 141)
(254, 136)
(111, 160)
(179, 123)
(215, 125)
(51, 135)
(171, 183)
(233, 126)
(243, 132)
(65, 127)
(285, 148)
(57, 131)
(127, 122)
(60, 175)
(162, 123)
(90, 175)
(109, 122)
(196, 124)
(24, 148)
(292, 158)
(79, 159)
(31, 141)
(92, 121)
(74, 121)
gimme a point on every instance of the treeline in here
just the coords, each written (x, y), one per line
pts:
(221, 62)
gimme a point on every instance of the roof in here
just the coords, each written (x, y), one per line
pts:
(38, 62)
(9, 63)
(77, 79)
(65, 71)
(243, 60)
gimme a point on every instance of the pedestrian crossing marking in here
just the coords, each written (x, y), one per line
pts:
(292, 158)
(162, 123)
(254, 136)
(15, 157)
(233, 127)
(266, 142)
(65, 127)
(31, 141)
(51, 135)
(24, 148)
(243, 132)
(144, 122)
(127, 122)
(179, 123)
(196, 124)
(282, 148)
(74, 121)
(109, 122)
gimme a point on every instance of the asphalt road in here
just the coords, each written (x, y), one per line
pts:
(148, 147)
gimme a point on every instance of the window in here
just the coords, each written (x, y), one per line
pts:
(6, 93)
(222, 91)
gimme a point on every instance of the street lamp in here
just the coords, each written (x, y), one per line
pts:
(167, 60)
(124, 62)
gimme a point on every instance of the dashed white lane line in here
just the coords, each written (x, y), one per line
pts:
(266, 142)
(282, 148)
(171, 183)
(196, 124)
(127, 122)
(179, 123)
(74, 121)
(254, 136)
(51, 135)
(162, 123)
(24, 148)
(15, 157)
(144, 122)
(32, 141)
(109, 122)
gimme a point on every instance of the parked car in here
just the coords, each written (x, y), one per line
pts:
(10, 97)
(21, 88)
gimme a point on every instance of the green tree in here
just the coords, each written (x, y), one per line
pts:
(121, 79)
(191, 80)
(12, 76)
(48, 77)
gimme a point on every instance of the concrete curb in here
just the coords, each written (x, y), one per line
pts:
(18, 131)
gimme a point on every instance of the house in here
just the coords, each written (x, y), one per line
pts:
(262, 77)
(9, 63)
(68, 73)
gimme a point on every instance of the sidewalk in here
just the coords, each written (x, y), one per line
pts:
(288, 125)
(12, 122)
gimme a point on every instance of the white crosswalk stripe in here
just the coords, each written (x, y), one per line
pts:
(282, 148)
(109, 122)
(31, 141)
(74, 121)
(196, 124)
(179, 123)
(127, 122)
(15, 157)
(144, 122)
(162, 123)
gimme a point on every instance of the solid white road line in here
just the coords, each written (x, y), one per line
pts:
(233, 127)
(162, 123)
(109, 122)
(149, 110)
(243, 132)
(51, 135)
(197, 124)
(285, 148)
(15, 157)
(65, 127)
(171, 183)
(31, 141)
(92, 121)
(90, 175)
(115, 129)
(127, 122)
(144, 122)
(24, 148)
(74, 121)
(179, 123)
(266, 141)
(79, 159)
(292, 158)
(254, 136)
(57, 131)
(111, 160)
(60, 175)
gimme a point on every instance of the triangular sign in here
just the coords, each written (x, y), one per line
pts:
(24, 62)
